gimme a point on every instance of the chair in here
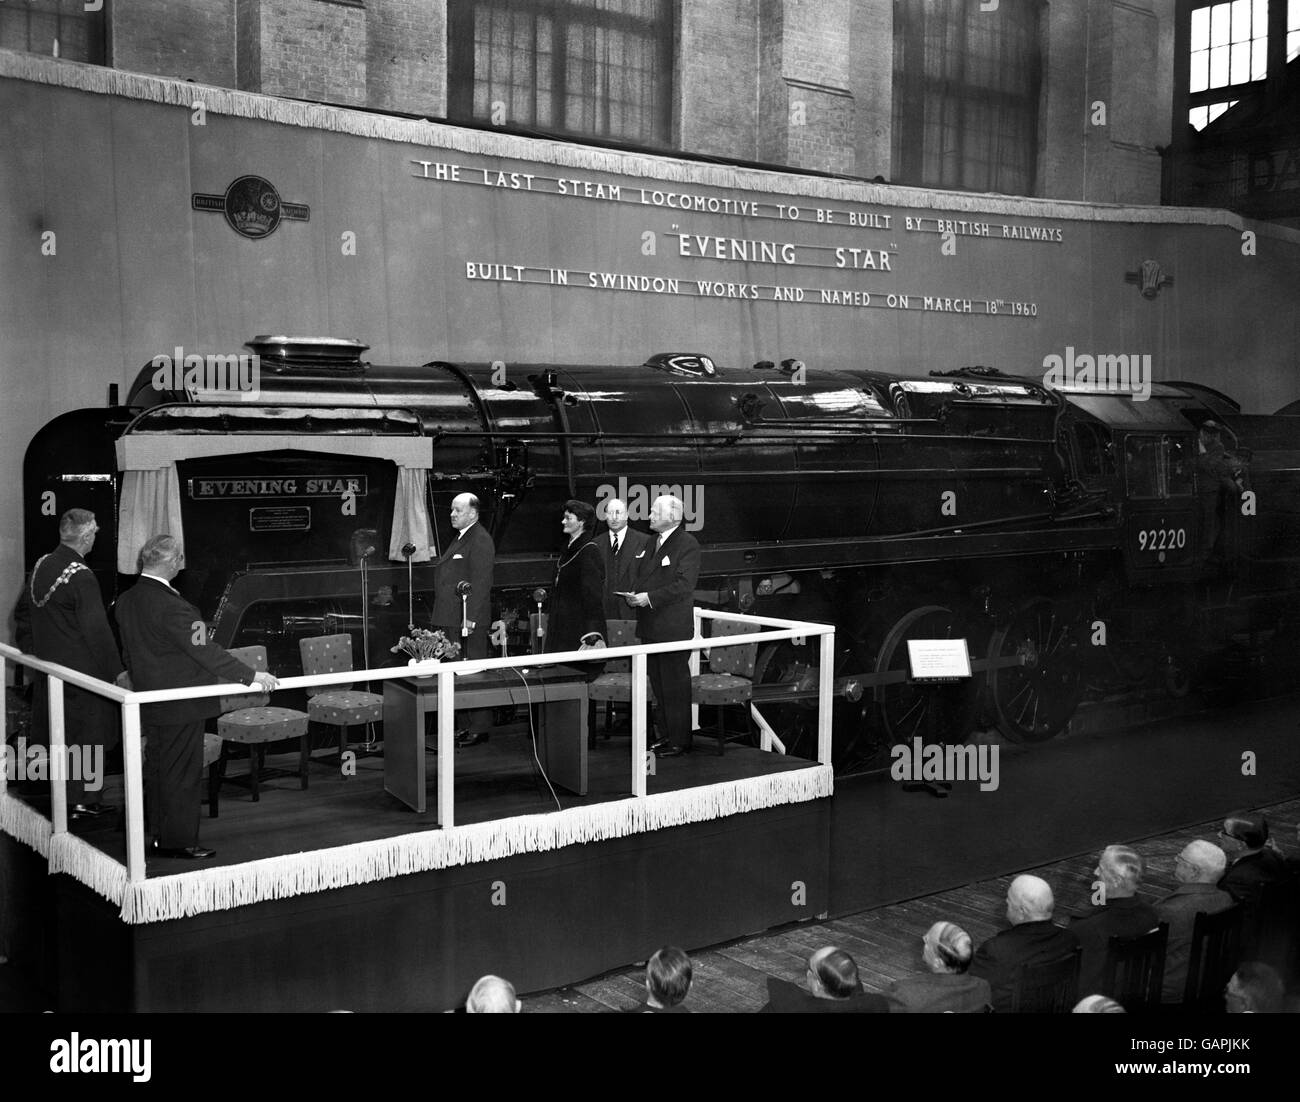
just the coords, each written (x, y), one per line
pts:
(249, 721)
(336, 705)
(730, 679)
(1135, 969)
(1215, 951)
(1276, 926)
(1051, 987)
(614, 686)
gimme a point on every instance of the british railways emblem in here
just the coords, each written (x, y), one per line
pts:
(253, 208)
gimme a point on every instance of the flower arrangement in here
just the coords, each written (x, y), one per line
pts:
(424, 645)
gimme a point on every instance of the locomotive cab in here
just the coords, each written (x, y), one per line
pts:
(1143, 453)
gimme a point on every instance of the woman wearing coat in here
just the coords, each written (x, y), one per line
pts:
(577, 609)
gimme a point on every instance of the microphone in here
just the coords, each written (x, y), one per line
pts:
(464, 588)
(408, 549)
(539, 595)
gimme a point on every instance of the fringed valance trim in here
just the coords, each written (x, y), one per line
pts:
(340, 120)
(92, 867)
(169, 897)
(26, 825)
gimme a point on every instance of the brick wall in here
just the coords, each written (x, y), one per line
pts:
(312, 49)
(187, 39)
(717, 79)
(406, 57)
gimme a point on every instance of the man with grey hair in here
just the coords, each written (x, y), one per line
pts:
(664, 604)
(946, 987)
(1197, 869)
(165, 642)
(492, 995)
(61, 618)
(1119, 913)
(1032, 939)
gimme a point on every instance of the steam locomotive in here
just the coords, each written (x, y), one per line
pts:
(1065, 534)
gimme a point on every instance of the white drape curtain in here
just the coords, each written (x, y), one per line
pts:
(411, 516)
(150, 506)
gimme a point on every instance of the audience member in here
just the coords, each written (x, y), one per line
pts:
(833, 988)
(1197, 869)
(1098, 1004)
(492, 995)
(947, 952)
(1120, 914)
(1255, 988)
(1253, 861)
(1032, 939)
(667, 982)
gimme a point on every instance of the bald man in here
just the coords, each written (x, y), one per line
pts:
(492, 995)
(667, 571)
(1032, 939)
(471, 558)
(832, 987)
(946, 987)
(621, 546)
(1197, 869)
(1121, 914)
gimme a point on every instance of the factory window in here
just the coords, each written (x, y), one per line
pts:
(586, 68)
(1229, 51)
(966, 92)
(57, 28)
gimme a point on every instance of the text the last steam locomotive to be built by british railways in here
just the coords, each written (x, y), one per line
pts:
(870, 252)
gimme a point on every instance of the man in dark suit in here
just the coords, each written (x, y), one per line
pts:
(1122, 914)
(165, 644)
(833, 987)
(468, 559)
(1032, 939)
(1197, 869)
(620, 546)
(664, 602)
(61, 618)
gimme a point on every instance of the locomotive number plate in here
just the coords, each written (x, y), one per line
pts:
(1161, 539)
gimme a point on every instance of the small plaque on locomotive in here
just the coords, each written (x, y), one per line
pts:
(288, 518)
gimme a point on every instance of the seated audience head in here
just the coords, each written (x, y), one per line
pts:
(833, 974)
(947, 948)
(162, 556)
(668, 976)
(1255, 988)
(1120, 869)
(1200, 862)
(1248, 829)
(1098, 1004)
(492, 995)
(1029, 899)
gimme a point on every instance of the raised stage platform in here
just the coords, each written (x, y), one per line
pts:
(394, 940)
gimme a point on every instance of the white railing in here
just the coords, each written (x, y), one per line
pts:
(769, 630)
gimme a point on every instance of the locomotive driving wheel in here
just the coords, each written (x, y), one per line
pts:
(1035, 700)
(795, 723)
(937, 712)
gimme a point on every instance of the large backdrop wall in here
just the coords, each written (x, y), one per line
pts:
(140, 215)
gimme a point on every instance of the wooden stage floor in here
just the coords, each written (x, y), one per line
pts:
(498, 779)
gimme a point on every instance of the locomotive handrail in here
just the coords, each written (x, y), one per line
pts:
(770, 629)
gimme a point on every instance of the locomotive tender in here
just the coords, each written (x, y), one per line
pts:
(1060, 531)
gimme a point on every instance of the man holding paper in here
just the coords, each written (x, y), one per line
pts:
(664, 601)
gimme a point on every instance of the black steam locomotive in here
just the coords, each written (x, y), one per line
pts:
(1078, 534)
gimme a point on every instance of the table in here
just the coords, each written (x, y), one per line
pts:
(562, 726)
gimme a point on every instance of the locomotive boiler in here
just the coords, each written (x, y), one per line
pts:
(1071, 534)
